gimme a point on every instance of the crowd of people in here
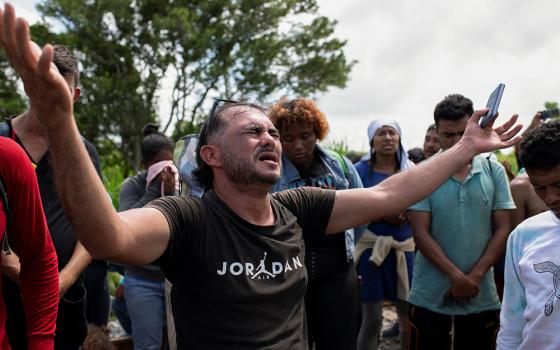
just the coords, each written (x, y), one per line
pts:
(285, 244)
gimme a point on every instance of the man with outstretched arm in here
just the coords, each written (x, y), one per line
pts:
(235, 256)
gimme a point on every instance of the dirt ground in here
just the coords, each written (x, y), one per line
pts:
(389, 317)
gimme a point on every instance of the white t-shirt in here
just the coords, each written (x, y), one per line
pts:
(530, 316)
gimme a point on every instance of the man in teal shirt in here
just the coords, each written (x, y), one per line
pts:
(460, 231)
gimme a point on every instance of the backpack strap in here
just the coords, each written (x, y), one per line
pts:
(340, 160)
(5, 244)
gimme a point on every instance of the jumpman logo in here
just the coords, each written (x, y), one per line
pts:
(261, 269)
(548, 266)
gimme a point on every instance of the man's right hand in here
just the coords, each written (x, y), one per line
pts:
(463, 288)
(47, 90)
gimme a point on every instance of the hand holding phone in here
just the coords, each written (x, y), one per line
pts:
(492, 105)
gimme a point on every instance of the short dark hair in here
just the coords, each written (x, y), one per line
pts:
(153, 142)
(416, 155)
(66, 63)
(453, 107)
(431, 127)
(540, 149)
(203, 174)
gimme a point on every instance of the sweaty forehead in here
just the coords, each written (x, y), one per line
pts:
(246, 115)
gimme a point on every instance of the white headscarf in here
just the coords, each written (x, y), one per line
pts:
(402, 155)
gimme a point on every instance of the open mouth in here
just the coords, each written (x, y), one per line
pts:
(268, 156)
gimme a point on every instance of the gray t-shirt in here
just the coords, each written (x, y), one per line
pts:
(237, 285)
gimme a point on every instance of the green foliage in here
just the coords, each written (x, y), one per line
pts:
(185, 127)
(509, 158)
(549, 105)
(11, 102)
(339, 146)
(244, 49)
(113, 179)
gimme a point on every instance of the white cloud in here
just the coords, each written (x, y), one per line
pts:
(413, 53)
(25, 9)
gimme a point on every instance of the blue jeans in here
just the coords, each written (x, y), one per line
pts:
(118, 306)
(145, 300)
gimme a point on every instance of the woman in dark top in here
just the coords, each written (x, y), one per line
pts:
(332, 298)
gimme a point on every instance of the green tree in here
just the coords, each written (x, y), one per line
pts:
(239, 49)
(549, 105)
(11, 102)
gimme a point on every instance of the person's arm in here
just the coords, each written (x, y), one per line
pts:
(31, 241)
(463, 287)
(520, 195)
(501, 227)
(10, 266)
(358, 206)
(514, 302)
(78, 262)
(526, 200)
(134, 195)
(137, 236)
(502, 205)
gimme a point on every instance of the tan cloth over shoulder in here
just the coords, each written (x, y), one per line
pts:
(381, 246)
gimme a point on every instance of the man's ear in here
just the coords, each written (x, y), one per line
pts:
(211, 155)
(77, 93)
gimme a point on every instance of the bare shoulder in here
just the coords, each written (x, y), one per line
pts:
(520, 186)
(525, 197)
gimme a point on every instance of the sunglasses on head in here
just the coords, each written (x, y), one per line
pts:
(218, 102)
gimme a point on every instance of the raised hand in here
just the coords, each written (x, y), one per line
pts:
(489, 139)
(46, 88)
(168, 180)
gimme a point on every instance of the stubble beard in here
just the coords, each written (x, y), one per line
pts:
(241, 171)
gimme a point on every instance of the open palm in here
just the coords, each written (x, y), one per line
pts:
(489, 139)
(47, 90)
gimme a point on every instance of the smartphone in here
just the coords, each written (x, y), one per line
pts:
(492, 105)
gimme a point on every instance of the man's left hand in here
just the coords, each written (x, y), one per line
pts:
(488, 139)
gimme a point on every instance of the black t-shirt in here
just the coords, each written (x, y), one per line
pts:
(318, 175)
(237, 285)
(62, 233)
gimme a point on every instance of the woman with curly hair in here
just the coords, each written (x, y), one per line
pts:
(332, 298)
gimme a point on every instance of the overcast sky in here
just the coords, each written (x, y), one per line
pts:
(411, 54)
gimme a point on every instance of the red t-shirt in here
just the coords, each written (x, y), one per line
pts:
(30, 240)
